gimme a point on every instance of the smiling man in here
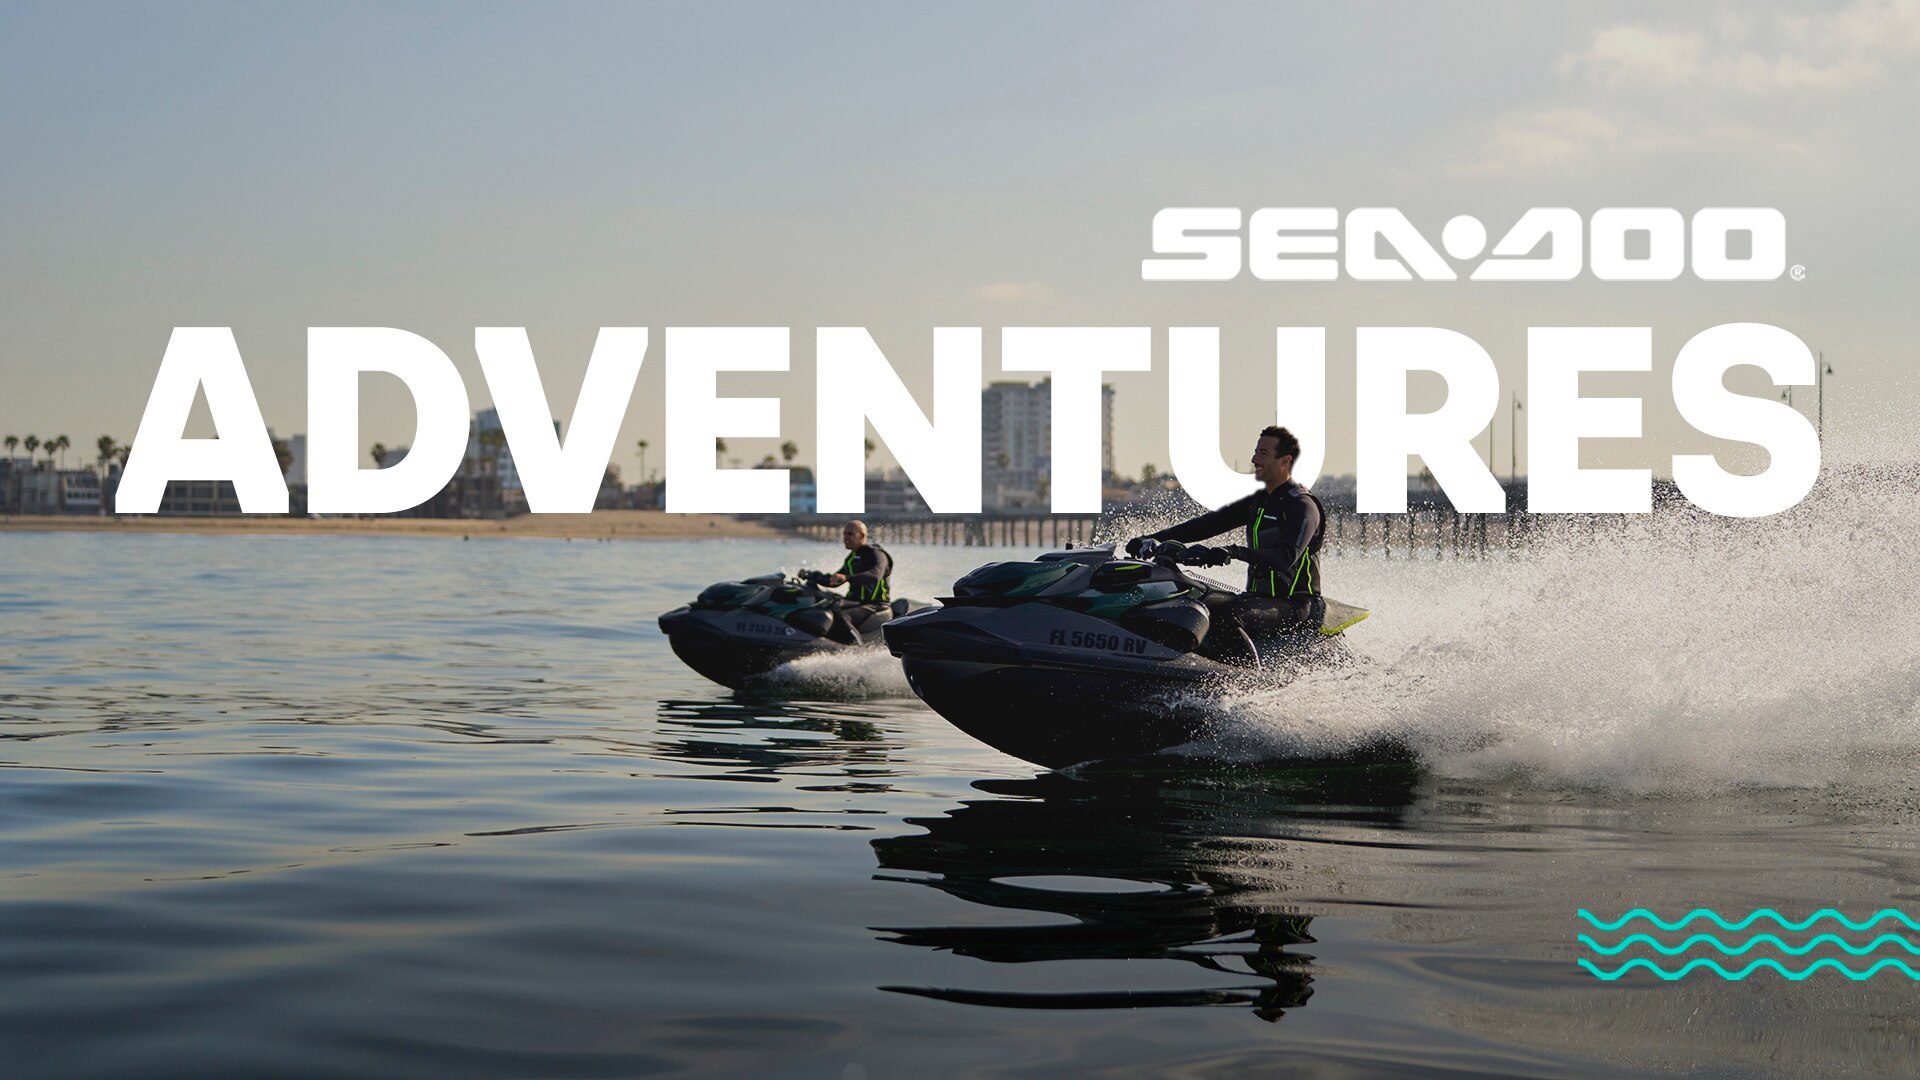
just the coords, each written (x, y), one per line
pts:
(1285, 527)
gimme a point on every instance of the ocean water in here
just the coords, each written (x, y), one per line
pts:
(384, 806)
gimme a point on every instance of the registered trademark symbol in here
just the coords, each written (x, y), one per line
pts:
(1799, 272)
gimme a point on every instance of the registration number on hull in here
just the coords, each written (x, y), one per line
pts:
(1093, 639)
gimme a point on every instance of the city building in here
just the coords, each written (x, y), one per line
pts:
(79, 491)
(487, 438)
(803, 494)
(28, 487)
(297, 471)
(890, 492)
(199, 498)
(10, 470)
(32, 487)
(1016, 443)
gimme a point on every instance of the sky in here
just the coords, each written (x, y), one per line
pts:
(903, 167)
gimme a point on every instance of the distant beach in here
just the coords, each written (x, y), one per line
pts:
(599, 525)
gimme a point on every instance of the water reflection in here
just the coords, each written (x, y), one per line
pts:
(1193, 870)
(759, 739)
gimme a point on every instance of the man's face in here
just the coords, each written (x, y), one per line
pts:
(1268, 465)
(852, 537)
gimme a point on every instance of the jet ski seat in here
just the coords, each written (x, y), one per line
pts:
(866, 619)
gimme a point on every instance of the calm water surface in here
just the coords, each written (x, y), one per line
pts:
(331, 806)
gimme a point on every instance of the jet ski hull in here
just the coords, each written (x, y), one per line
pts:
(739, 649)
(1103, 663)
(1055, 716)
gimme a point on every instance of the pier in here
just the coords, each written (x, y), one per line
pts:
(968, 530)
(1439, 530)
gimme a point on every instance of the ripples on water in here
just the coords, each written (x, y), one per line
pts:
(353, 806)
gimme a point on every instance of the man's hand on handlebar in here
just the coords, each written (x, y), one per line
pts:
(1204, 556)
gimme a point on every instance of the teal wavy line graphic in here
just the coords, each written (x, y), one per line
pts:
(1736, 976)
(1764, 913)
(1748, 946)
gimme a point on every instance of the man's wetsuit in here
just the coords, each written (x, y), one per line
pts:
(1284, 529)
(867, 568)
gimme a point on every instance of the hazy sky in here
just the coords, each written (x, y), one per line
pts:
(902, 167)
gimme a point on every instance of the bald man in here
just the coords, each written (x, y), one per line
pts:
(867, 568)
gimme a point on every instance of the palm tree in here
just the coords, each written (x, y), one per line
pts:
(32, 444)
(492, 440)
(12, 442)
(789, 450)
(107, 445)
(719, 451)
(870, 449)
(1148, 474)
(643, 444)
(282, 452)
(379, 452)
(60, 444)
(767, 462)
(121, 452)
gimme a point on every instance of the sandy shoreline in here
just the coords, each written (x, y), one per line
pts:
(600, 525)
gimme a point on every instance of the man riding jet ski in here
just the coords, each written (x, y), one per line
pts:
(1083, 655)
(735, 632)
(1285, 526)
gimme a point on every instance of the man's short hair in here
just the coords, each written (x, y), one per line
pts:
(857, 526)
(1288, 445)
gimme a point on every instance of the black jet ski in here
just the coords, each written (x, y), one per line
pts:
(1084, 656)
(736, 632)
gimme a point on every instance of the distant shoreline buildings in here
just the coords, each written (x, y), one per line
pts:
(1016, 444)
(1015, 451)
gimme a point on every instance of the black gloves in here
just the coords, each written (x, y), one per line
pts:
(1205, 556)
(1171, 550)
(815, 577)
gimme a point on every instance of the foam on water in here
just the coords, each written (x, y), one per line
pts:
(1671, 650)
(849, 675)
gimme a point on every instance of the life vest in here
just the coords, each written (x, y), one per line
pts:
(1271, 528)
(877, 593)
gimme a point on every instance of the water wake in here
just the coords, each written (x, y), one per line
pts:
(843, 676)
(1665, 651)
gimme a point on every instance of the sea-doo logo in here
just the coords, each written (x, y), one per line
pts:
(1546, 244)
(761, 628)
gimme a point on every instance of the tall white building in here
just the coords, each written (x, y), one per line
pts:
(1016, 443)
(489, 420)
(297, 472)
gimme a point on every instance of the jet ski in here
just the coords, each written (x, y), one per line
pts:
(736, 632)
(1082, 655)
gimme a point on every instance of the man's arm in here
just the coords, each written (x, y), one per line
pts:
(1208, 525)
(840, 576)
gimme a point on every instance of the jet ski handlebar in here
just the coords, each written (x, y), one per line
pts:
(1166, 552)
(816, 578)
(1173, 552)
